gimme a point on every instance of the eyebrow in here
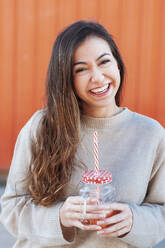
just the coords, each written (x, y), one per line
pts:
(84, 63)
(102, 56)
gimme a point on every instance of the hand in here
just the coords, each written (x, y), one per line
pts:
(119, 224)
(71, 213)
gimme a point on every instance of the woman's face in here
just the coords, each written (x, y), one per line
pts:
(96, 77)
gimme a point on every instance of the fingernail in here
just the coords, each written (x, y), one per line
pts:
(99, 228)
(100, 223)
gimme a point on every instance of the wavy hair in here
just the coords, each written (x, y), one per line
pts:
(58, 134)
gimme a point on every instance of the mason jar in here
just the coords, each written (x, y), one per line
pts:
(97, 185)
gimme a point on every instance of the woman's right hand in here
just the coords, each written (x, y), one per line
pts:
(72, 212)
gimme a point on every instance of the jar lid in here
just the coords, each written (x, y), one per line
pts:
(92, 177)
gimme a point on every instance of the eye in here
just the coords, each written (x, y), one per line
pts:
(105, 61)
(80, 70)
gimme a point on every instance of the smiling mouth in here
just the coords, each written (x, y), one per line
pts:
(101, 90)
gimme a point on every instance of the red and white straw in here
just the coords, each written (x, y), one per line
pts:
(96, 152)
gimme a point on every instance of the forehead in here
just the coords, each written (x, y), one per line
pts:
(91, 47)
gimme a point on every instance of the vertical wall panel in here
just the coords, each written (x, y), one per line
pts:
(27, 31)
(88, 9)
(46, 14)
(25, 60)
(67, 13)
(7, 52)
(129, 46)
(109, 13)
(146, 87)
(159, 77)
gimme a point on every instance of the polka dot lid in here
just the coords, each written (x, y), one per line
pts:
(91, 177)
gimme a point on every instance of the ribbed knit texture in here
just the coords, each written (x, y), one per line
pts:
(132, 147)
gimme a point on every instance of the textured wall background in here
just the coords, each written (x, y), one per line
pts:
(28, 29)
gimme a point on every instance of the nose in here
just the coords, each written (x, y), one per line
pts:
(97, 76)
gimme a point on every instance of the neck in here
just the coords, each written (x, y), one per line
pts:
(102, 112)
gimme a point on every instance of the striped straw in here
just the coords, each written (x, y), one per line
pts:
(96, 152)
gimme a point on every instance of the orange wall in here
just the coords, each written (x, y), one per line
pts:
(27, 31)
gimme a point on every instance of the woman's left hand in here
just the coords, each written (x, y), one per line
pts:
(119, 224)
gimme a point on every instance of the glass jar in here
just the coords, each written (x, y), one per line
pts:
(99, 186)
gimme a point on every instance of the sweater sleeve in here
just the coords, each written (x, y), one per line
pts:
(22, 217)
(149, 218)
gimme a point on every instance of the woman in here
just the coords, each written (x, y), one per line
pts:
(41, 206)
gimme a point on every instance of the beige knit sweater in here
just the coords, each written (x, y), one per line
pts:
(132, 147)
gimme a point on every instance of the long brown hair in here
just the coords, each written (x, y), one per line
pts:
(58, 133)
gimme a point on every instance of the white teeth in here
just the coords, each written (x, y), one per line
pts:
(99, 90)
